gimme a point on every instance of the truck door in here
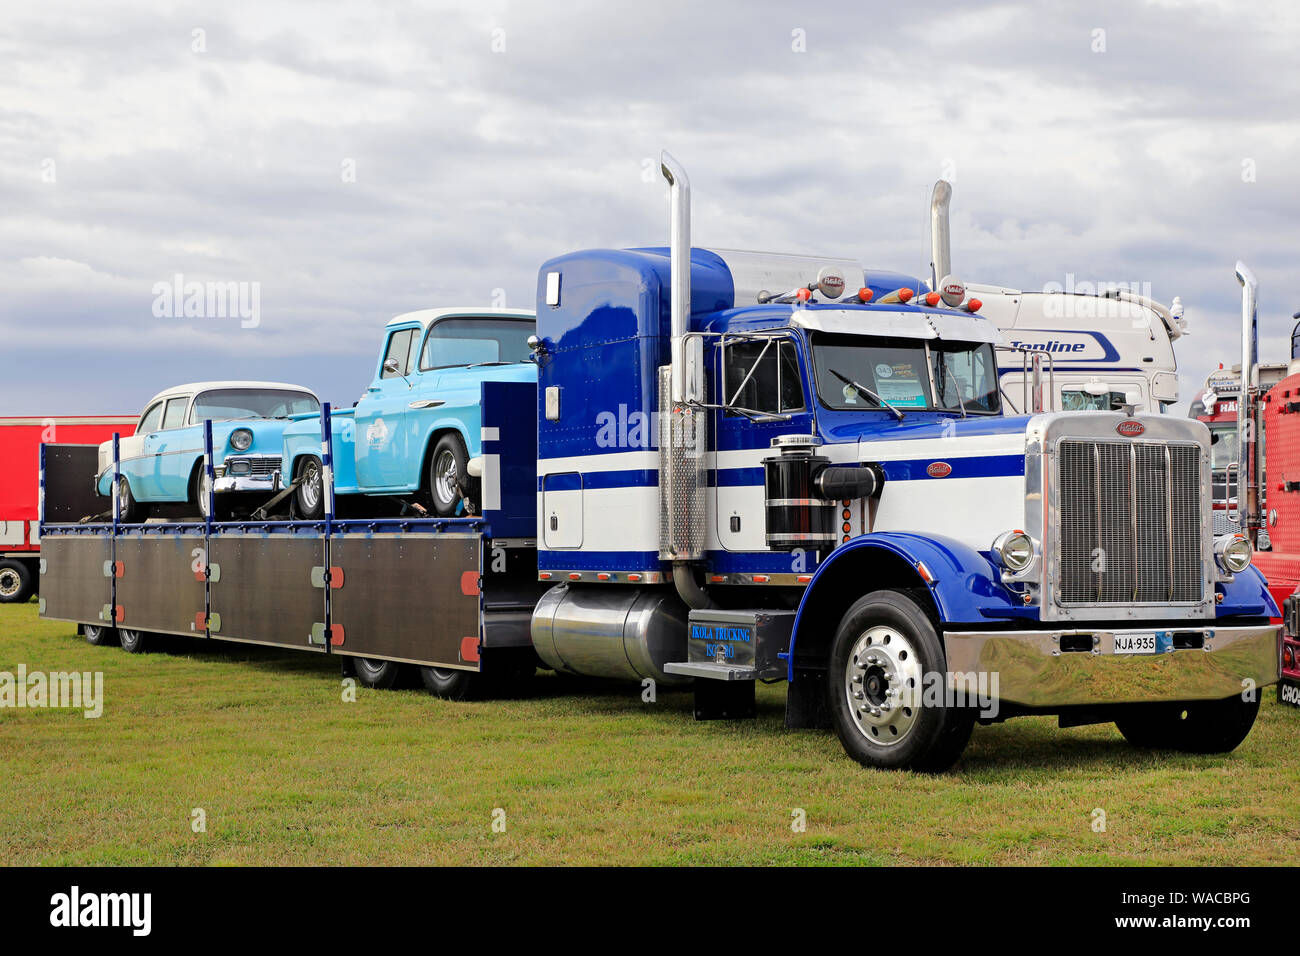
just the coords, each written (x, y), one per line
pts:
(382, 440)
(762, 395)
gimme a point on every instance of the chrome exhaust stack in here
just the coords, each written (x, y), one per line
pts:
(940, 237)
(679, 264)
(682, 423)
(1248, 517)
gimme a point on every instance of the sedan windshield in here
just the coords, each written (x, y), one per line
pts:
(907, 374)
(225, 404)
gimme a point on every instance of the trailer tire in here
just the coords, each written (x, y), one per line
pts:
(886, 646)
(1196, 727)
(16, 582)
(133, 641)
(309, 497)
(376, 674)
(100, 635)
(448, 469)
(450, 684)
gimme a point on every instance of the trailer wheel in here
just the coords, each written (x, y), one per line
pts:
(885, 650)
(16, 582)
(450, 684)
(99, 635)
(380, 675)
(133, 641)
(1198, 727)
(448, 474)
(309, 498)
(129, 511)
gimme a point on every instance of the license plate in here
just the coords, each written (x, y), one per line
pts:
(1135, 643)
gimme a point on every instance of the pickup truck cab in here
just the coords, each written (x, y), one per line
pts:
(162, 461)
(416, 432)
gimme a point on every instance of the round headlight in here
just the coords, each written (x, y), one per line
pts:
(241, 439)
(1234, 553)
(1014, 550)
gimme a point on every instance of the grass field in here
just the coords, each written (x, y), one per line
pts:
(288, 773)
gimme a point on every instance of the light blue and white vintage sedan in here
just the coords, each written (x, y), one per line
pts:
(163, 461)
(415, 434)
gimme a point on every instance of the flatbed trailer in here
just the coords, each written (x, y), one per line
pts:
(455, 594)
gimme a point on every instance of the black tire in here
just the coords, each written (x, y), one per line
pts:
(100, 635)
(1196, 727)
(879, 730)
(448, 461)
(381, 675)
(309, 497)
(16, 581)
(133, 641)
(450, 684)
(129, 511)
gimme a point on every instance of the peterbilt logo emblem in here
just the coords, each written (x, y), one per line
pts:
(938, 469)
(1130, 428)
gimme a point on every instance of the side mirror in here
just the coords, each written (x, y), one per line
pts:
(391, 366)
(693, 392)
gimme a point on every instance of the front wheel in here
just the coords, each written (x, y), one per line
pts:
(309, 497)
(1198, 727)
(884, 664)
(129, 511)
(448, 474)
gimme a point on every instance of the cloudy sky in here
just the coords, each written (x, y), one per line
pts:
(360, 160)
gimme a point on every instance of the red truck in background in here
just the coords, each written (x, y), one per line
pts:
(1260, 493)
(20, 462)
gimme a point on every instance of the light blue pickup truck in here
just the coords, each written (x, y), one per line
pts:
(416, 432)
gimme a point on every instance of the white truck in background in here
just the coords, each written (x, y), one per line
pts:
(1103, 348)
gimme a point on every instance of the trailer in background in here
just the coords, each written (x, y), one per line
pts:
(20, 443)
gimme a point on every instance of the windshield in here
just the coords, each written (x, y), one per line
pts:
(225, 404)
(899, 372)
(1223, 449)
(476, 341)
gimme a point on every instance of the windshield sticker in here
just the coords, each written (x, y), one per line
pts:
(899, 384)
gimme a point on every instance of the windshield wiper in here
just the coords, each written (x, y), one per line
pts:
(481, 364)
(867, 393)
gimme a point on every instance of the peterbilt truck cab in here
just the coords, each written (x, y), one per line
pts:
(809, 481)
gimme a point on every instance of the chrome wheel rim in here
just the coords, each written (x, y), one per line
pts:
(882, 684)
(444, 477)
(204, 484)
(122, 488)
(129, 637)
(10, 582)
(310, 487)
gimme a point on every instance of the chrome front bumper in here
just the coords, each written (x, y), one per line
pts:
(256, 473)
(1042, 668)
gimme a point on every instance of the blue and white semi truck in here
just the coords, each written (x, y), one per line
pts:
(737, 468)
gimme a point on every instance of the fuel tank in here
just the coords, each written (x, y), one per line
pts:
(626, 633)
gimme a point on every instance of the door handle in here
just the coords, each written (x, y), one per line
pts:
(372, 388)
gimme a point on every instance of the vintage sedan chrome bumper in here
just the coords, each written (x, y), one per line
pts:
(248, 473)
(1063, 668)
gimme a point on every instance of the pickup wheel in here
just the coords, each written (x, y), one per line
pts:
(448, 474)
(380, 675)
(309, 497)
(129, 511)
(1198, 727)
(99, 635)
(885, 650)
(133, 641)
(15, 581)
(449, 683)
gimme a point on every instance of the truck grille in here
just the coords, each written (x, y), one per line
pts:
(1130, 523)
